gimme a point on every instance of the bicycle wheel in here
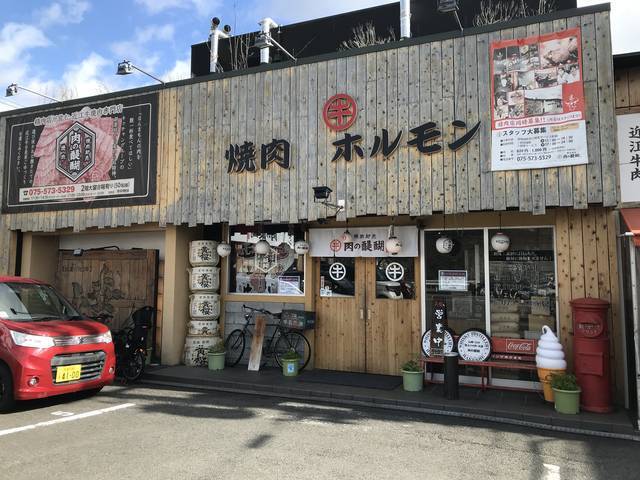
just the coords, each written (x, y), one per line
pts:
(134, 367)
(234, 345)
(297, 342)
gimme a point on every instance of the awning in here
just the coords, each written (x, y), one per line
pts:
(631, 217)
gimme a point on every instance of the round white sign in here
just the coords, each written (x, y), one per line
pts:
(474, 346)
(426, 342)
(394, 271)
(337, 271)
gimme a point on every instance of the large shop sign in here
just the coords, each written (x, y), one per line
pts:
(366, 242)
(96, 155)
(538, 114)
(629, 153)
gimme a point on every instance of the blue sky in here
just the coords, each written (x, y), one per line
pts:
(70, 48)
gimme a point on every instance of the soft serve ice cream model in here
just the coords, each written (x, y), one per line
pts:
(549, 360)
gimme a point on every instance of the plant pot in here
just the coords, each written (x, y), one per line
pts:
(567, 401)
(412, 381)
(290, 368)
(216, 361)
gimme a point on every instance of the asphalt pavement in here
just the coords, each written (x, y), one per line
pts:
(156, 433)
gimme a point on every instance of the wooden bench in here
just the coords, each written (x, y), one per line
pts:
(506, 353)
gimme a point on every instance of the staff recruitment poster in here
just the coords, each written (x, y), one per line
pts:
(538, 114)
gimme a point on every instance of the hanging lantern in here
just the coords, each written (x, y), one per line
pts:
(346, 237)
(224, 249)
(301, 247)
(393, 245)
(500, 242)
(262, 247)
(444, 244)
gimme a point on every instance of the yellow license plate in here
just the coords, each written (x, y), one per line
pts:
(68, 373)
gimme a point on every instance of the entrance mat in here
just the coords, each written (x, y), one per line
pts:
(362, 380)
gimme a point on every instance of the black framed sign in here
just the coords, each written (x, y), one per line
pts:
(84, 156)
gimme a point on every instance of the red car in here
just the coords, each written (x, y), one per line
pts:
(46, 347)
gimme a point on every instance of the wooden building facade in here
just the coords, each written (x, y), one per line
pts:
(396, 87)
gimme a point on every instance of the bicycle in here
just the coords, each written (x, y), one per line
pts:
(281, 341)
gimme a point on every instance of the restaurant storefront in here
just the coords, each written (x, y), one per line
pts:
(454, 145)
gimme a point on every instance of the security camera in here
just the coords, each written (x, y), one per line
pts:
(215, 21)
(227, 29)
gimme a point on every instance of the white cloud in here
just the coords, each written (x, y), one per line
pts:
(17, 38)
(203, 7)
(624, 23)
(180, 70)
(63, 12)
(89, 77)
(142, 49)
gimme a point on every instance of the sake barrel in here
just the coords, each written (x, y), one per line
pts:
(205, 279)
(203, 253)
(196, 349)
(202, 327)
(204, 306)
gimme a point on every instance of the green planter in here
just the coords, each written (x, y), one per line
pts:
(216, 361)
(290, 367)
(567, 401)
(412, 381)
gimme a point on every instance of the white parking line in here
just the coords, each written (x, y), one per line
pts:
(552, 471)
(79, 416)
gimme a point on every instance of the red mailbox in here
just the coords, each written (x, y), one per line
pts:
(591, 353)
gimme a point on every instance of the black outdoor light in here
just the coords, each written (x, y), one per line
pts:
(446, 6)
(450, 6)
(321, 193)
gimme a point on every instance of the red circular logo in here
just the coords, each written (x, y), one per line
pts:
(335, 245)
(340, 112)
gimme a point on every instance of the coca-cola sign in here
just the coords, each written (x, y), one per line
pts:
(520, 346)
(87, 155)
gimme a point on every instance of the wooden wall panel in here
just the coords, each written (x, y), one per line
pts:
(395, 88)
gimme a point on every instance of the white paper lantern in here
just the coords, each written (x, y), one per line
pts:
(346, 237)
(393, 245)
(224, 249)
(301, 247)
(444, 244)
(262, 247)
(500, 242)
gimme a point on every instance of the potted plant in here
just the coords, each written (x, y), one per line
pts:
(290, 363)
(412, 376)
(216, 356)
(566, 392)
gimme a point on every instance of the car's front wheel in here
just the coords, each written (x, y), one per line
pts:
(6, 389)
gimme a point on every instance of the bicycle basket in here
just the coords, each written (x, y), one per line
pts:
(298, 319)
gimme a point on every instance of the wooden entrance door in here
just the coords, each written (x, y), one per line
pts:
(340, 324)
(393, 324)
(373, 330)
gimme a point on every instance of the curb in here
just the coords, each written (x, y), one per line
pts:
(394, 406)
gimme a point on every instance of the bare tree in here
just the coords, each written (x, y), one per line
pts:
(504, 10)
(364, 35)
(239, 46)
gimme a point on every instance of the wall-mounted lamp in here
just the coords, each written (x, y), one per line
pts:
(321, 195)
(126, 67)
(13, 90)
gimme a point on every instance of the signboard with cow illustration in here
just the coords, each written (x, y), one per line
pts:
(82, 156)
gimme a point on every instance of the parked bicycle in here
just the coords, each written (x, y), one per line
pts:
(130, 342)
(281, 341)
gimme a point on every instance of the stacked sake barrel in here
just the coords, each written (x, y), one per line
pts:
(204, 305)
